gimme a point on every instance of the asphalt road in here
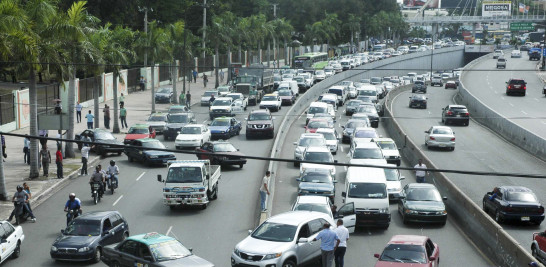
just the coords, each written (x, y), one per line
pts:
(477, 149)
(212, 233)
(362, 245)
(488, 85)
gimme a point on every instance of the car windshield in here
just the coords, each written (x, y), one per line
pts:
(367, 153)
(259, 117)
(287, 76)
(318, 156)
(364, 99)
(222, 102)
(419, 83)
(517, 82)
(169, 250)
(335, 91)
(365, 109)
(387, 145)
(220, 123)
(156, 118)
(104, 136)
(316, 177)
(329, 136)
(191, 130)
(177, 110)
(275, 232)
(223, 89)
(365, 81)
(269, 98)
(521, 197)
(442, 131)
(153, 144)
(418, 97)
(139, 130)
(277, 78)
(376, 79)
(312, 142)
(404, 253)
(366, 134)
(184, 175)
(178, 118)
(354, 124)
(83, 227)
(224, 147)
(164, 90)
(313, 207)
(353, 103)
(299, 79)
(317, 124)
(285, 93)
(234, 97)
(367, 92)
(423, 194)
(319, 72)
(391, 174)
(367, 190)
(209, 93)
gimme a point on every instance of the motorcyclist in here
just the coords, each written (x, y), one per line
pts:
(73, 203)
(98, 177)
(20, 198)
(113, 172)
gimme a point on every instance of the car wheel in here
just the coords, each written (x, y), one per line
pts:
(98, 254)
(17, 251)
(289, 263)
(241, 166)
(453, 148)
(534, 252)
(498, 218)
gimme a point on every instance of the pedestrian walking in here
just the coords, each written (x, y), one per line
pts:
(419, 172)
(43, 133)
(194, 72)
(142, 83)
(60, 135)
(188, 99)
(221, 74)
(85, 158)
(89, 118)
(328, 240)
(341, 244)
(79, 112)
(205, 80)
(121, 100)
(106, 111)
(211, 99)
(26, 149)
(264, 190)
(123, 116)
(46, 159)
(182, 99)
(4, 148)
(59, 162)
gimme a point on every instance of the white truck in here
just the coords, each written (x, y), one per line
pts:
(190, 183)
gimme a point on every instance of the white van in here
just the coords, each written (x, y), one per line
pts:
(368, 90)
(317, 107)
(379, 47)
(367, 189)
(292, 85)
(340, 91)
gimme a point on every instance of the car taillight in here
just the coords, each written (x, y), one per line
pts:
(524, 87)
(467, 114)
(449, 113)
(432, 138)
(541, 210)
(452, 139)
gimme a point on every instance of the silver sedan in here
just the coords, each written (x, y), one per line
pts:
(440, 136)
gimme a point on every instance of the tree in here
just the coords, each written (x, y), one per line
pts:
(175, 46)
(220, 32)
(353, 25)
(156, 43)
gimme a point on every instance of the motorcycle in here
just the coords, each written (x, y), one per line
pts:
(112, 182)
(71, 215)
(21, 214)
(96, 194)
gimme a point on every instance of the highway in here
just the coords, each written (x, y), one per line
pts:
(477, 149)
(488, 85)
(212, 233)
(363, 244)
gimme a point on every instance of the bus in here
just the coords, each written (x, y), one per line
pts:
(316, 60)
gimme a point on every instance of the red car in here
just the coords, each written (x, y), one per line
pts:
(138, 131)
(538, 247)
(314, 124)
(451, 84)
(409, 250)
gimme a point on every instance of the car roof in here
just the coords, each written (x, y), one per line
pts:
(457, 106)
(146, 140)
(224, 98)
(151, 238)
(261, 111)
(96, 215)
(312, 199)
(383, 139)
(326, 130)
(317, 119)
(366, 145)
(193, 125)
(319, 104)
(516, 188)
(223, 118)
(421, 185)
(311, 135)
(337, 87)
(408, 240)
(441, 127)
(270, 95)
(220, 142)
(297, 217)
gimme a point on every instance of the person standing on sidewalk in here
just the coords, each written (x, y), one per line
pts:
(46, 159)
(327, 239)
(4, 148)
(26, 150)
(43, 133)
(79, 112)
(89, 118)
(85, 158)
(341, 244)
(420, 173)
(188, 99)
(194, 72)
(123, 116)
(182, 99)
(122, 100)
(221, 74)
(205, 80)
(142, 83)
(59, 162)
(264, 190)
(106, 111)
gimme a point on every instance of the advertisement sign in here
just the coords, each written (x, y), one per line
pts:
(420, 3)
(496, 8)
(449, 4)
(23, 109)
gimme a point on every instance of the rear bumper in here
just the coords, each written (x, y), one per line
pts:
(522, 217)
(220, 135)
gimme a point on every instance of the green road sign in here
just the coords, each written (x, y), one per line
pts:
(522, 26)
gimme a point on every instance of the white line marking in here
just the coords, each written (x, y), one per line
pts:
(535, 99)
(543, 122)
(524, 112)
(496, 92)
(341, 147)
(510, 104)
(429, 113)
(168, 231)
(345, 167)
(502, 97)
(142, 174)
(116, 202)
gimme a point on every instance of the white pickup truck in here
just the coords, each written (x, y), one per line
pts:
(191, 183)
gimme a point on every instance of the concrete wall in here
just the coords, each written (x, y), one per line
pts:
(512, 132)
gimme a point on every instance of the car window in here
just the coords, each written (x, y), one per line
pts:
(3, 234)
(304, 232)
(315, 226)
(521, 196)
(8, 229)
(116, 220)
(106, 225)
(143, 251)
(430, 247)
(129, 247)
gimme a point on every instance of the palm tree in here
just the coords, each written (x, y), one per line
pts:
(175, 44)
(331, 26)
(283, 30)
(220, 32)
(353, 25)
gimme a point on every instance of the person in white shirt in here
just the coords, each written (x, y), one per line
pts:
(113, 171)
(419, 172)
(85, 157)
(264, 190)
(341, 243)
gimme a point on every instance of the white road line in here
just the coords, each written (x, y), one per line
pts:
(341, 147)
(535, 99)
(496, 92)
(142, 174)
(524, 112)
(116, 202)
(345, 167)
(510, 104)
(429, 113)
(168, 231)
(543, 122)
(502, 97)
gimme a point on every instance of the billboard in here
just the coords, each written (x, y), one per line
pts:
(460, 4)
(496, 8)
(420, 3)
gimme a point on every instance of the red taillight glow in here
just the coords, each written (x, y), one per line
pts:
(452, 139)
(467, 114)
(524, 87)
(449, 113)
(432, 138)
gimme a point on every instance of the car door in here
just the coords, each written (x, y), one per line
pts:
(136, 152)
(144, 256)
(348, 215)
(118, 226)
(541, 241)
(5, 244)
(428, 133)
(127, 253)
(204, 148)
(205, 132)
(108, 234)
(305, 249)
(432, 251)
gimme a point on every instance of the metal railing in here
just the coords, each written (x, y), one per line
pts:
(476, 19)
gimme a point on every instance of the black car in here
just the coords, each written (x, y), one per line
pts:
(164, 95)
(350, 127)
(139, 152)
(513, 203)
(418, 101)
(351, 106)
(175, 122)
(317, 182)
(85, 236)
(107, 143)
(260, 123)
(221, 153)
(371, 111)
(419, 86)
(421, 202)
(455, 114)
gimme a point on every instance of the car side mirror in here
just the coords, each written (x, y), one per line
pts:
(208, 124)
(249, 232)
(444, 198)
(427, 131)
(402, 178)
(432, 258)
(303, 240)
(295, 143)
(344, 194)
(159, 178)
(376, 255)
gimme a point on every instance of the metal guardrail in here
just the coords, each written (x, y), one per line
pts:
(475, 19)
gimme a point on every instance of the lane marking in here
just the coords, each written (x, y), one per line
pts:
(536, 99)
(116, 202)
(341, 147)
(429, 113)
(142, 174)
(168, 231)
(496, 92)
(510, 104)
(543, 122)
(524, 112)
(502, 97)
(345, 167)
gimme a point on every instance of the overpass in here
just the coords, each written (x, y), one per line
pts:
(429, 20)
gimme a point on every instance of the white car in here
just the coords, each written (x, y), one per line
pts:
(320, 75)
(389, 149)
(337, 68)
(307, 140)
(192, 135)
(332, 138)
(12, 238)
(351, 86)
(366, 153)
(157, 121)
(272, 102)
(497, 54)
(394, 184)
(515, 53)
(329, 71)
(318, 155)
(364, 134)
(313, 203)
(222, 106)
(440, 136)
(239, 96)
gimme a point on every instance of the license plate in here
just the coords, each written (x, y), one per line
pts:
(458, 115)
(442, 145)
(525, 219)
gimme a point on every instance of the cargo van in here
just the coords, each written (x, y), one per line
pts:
(340, 91)
(367, 189)
(292, 85)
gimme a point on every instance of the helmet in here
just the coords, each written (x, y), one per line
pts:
(112, 162)
(19, 187)
(72, 196)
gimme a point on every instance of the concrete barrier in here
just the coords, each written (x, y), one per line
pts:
(489, 236)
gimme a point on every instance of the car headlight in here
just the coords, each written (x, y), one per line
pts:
(444, 212)
(237, 252)
(304, 191)
(272, 256)
(411, 211)
(84, 249)
(385, 210)
(53, 248)
(152, 157)
(222, 131)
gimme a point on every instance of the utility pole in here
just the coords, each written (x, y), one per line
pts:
(146, 33)
(275, 10)
(204, 25)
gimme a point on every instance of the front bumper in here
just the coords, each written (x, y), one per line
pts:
(426, 217)
(162, 100)
(186, 201)
(254, 261)
(395, 160)
(72, 254)
(160, 160)
(371, 218)
(171, 132)
(158, 129)
(187, 143)
(263, 131)
(109, 149)
(394, 195)
(270, 107)
(223, 136)
(229, 161)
